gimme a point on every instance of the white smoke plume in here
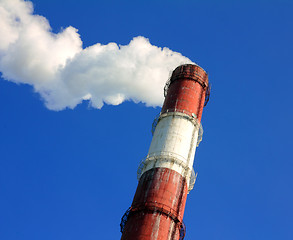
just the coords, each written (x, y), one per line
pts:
(65, 74)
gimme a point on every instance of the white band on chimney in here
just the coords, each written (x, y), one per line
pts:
(173, 144)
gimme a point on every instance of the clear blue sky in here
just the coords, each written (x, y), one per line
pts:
(70, 175)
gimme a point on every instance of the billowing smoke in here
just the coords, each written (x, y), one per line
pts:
(65, 74)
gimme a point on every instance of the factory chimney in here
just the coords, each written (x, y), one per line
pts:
(166, 175)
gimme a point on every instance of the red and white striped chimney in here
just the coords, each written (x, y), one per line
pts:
(166, 175)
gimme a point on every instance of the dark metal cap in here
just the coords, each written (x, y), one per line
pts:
(192, 72)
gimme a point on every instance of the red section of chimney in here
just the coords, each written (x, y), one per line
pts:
(186, 90)
(158, 206)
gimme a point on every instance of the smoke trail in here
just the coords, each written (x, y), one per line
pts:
(65, 74)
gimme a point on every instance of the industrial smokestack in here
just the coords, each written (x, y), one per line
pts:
(166, 175)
